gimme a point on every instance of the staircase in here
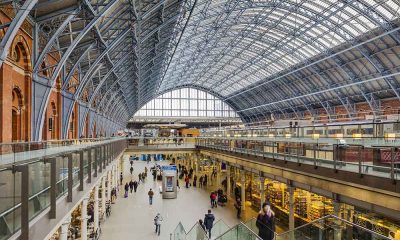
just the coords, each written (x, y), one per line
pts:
(329, 227)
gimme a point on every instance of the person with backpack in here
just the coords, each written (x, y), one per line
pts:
(266, 222)
(135, 185)
(157, 221)
(151, 194)
(209, 222)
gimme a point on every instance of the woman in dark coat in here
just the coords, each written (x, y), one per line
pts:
(266, 222)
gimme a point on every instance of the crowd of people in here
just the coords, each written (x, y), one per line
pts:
(265, 220)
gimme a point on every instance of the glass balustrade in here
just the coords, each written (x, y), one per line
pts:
(179, 232)
(378, 160)
(219, 228)
(196, 233)
(39, 175)
(330, 228)
(239, 232)
(11, 153)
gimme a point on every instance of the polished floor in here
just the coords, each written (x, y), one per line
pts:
(132, 217)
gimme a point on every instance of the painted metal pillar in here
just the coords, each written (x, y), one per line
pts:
(228, 181)
(243, 188)
(96, 162)
(81, 170)
(218, 178)
(53, 188)
(109, 185)
(64, 229)
(100, 159)
(70, 177)
(24, 170)
(262, 190)
(89, 156)
(96, 208)
(103, 195)
(291, 211)
(337, 206)
(84, 217)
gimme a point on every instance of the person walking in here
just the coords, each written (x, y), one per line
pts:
(131, 163)
(213, 197)
(131, 170)
(187, 181)
(205, 180)
(201, 182)
(157, 221)
(151, 194)
(266, 222)
(194, 181)
(238, 206)
(135, 185)
(177, 184)
(131, 185)
(126, 190)
(209, 221)
(140, 177)
(201, 223)
(154, 174)
(121, 177)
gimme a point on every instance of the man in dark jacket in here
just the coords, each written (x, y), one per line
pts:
(135, 185)
(209, 221)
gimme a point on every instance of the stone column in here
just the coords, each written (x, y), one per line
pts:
(291, 211)
(243, 188)
(103, 195)
(262, 190)
(64, 229)
(96, 208)
(84, 231)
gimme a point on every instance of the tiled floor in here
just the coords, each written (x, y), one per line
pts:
(132, 217)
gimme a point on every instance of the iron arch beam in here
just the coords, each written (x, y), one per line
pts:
(39, 108)
(14, 27)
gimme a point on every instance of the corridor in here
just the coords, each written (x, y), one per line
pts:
(132, 217)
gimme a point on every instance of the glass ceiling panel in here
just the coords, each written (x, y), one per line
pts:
(186, 102)
(267, 37)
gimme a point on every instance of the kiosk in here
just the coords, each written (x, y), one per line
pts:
(169, 181)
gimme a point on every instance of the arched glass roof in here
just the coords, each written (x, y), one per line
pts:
(265, 58)
(229, 45)
(186, 103)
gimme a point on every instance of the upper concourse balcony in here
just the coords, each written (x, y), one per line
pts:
(11, 153)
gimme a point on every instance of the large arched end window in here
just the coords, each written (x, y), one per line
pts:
(187, 102)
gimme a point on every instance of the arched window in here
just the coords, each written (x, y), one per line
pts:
(186, 102)
(17, 117)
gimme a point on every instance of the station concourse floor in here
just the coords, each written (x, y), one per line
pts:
(132, 217)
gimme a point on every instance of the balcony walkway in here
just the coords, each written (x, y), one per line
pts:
(47, 150)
